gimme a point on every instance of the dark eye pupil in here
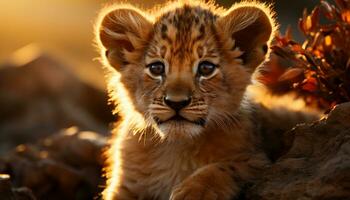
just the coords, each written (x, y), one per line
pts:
(156, 68)
(206, 68)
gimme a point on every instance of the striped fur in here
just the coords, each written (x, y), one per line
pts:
(216, 150)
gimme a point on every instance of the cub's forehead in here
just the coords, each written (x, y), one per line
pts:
(186, 17)
(182, 28)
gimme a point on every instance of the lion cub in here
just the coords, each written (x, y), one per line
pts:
(178, 76)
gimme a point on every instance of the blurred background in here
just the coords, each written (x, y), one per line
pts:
(64, 28)
(54, 116)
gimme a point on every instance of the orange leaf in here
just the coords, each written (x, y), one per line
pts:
(297, 48)
(291, 74)
(328, 9)
(310, 84)
(308, 23)
(309, 87)
(346, 16)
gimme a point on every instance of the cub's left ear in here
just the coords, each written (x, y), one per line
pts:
(250, 29)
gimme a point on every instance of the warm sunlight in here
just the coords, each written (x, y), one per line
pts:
(174, 99)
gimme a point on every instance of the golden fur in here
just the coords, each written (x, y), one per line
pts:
(215, 148)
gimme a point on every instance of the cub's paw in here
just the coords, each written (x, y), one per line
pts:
(194, 192)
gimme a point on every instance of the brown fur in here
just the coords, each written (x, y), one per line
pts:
(152, 158)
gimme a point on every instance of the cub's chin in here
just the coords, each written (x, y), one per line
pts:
(178, 127)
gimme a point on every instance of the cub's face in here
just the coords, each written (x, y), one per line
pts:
(186, 70)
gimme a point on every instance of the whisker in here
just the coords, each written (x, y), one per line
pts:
(193, 109)
(154, 110)
(225, 120)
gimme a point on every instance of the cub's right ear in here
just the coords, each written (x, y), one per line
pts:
(121, 32)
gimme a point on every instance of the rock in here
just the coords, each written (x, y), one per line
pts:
(9, 193)
(5, 186)
(66, 165)
(40, 96)
(317, 165)
(23, 193)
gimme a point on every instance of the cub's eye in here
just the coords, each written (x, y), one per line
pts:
(156, 68)
(206, 68)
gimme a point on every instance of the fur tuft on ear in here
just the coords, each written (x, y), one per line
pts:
(251, 26)
(120, 31)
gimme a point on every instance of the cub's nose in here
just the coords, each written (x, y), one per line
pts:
(178, 104)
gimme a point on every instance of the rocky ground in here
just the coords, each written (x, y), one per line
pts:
(44, 155)
(317, 164)
(42, 96)
(66, 165)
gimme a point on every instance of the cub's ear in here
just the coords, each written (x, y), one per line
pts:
(248, 27)
(121, 32)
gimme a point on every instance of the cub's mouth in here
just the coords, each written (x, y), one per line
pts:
(180, 119)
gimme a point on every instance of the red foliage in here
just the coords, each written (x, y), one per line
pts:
(319, 68)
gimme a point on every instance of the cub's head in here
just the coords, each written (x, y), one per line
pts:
(185, 67)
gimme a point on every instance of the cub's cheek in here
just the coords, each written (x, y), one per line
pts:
(142, 103)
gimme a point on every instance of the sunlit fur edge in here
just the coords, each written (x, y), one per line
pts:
(151, 15)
